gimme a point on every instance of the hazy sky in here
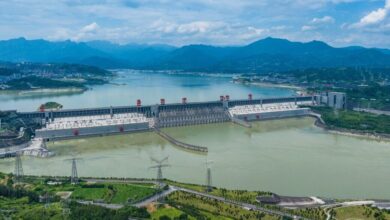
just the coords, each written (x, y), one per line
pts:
(178, 22)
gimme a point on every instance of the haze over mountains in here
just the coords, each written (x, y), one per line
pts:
(269, 54)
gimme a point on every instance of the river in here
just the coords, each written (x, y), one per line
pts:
(289, 156)
(150, 87)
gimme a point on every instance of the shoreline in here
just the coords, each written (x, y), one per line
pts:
(298, 90)
(28, 92)
(353, 133)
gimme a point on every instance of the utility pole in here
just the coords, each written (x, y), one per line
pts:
(18, 178)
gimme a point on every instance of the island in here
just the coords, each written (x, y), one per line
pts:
(48, 106)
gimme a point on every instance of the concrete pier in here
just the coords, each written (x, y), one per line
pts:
(178, 143)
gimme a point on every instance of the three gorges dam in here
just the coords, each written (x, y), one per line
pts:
(76, 123)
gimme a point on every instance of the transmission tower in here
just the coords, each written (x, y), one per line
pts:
(74, 177)
(18, 168)
(209, 187)
(159, 166)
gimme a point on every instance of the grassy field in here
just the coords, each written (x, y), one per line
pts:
(360, 212)
(90, 193)
(238, 195)
(171, 212)
(107, 192)
(124, 193)
(114, 193)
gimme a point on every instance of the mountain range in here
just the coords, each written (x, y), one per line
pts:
(269, 54)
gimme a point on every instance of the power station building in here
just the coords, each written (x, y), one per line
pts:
(337, 100)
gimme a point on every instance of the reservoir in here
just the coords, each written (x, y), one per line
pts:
(288, 157)
(150, 87)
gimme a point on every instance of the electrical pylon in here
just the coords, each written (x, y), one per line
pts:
(74, 177)
(18, 173)
(209, 186)
(159, 167)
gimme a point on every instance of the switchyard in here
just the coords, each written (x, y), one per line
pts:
(73, 123)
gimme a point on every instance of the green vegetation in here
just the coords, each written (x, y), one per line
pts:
(170, 213)
(371, 96)
(357, 121)
(34, 82)
(78, 211)
(237, 195)
(98, 193)
(196, 206)
(29, 76)
(28, 200)
(38, 198)
(360, 212)
(51, 105)
(130, 193)
(339, 74)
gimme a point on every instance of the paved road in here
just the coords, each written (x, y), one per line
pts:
(105, 205)
(95, 180)
(241, 204)
(155, 197)
(172, 189)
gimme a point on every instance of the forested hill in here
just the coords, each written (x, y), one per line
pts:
(269, 54)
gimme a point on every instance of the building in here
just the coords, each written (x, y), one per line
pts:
(337, 100)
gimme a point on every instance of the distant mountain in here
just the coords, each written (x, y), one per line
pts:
(269, 54)
(18, 50)
(98, 53)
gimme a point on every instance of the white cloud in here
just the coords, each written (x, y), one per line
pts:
(323, 20)
(374, 17)
(90, 28)
(308, 28)
(85, 33)
(317, 23)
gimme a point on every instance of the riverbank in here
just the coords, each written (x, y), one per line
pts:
(34, 92)
(321, 123)
(298, 90)
(353, 133)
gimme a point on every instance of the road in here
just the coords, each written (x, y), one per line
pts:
(246, 206)
(328, 208)
(155, 197)
(96, 180)
(172, 189)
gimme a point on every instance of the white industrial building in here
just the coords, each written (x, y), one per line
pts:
(268, 111)
(92, 125)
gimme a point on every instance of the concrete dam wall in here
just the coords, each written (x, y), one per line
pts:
(75, 123)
